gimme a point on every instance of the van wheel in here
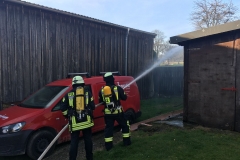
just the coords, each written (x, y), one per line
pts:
(130, 115)
(38, 143)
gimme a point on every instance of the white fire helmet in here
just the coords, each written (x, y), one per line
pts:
(77, 80)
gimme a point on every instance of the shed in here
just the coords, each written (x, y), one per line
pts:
(39, 44)
(212, 76)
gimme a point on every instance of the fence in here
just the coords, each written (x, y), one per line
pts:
(168, 81)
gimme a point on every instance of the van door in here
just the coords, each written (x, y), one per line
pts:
(60, 122)
(99, 123)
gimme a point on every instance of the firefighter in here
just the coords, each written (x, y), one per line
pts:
(111, 95)
(78, 106)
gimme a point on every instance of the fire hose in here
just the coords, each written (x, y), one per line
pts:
(57, 136)
(64, 128)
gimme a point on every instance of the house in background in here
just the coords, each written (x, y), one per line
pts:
(212, 76)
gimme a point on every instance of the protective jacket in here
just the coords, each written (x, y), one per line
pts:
(114, 114)
(117, 95)
(78, 121)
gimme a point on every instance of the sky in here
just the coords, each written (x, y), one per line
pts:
(172, 17)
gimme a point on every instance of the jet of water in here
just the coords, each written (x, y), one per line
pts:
(166, 56)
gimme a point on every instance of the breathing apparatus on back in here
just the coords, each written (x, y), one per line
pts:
(80, 93)
(108, 97)
(110, 94)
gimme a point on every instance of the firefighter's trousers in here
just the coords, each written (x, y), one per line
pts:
(122, 121)
(87, 137)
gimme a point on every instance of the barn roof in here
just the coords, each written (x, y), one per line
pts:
(227, 27)
(33, 5)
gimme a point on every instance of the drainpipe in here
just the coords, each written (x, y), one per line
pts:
(126, 52)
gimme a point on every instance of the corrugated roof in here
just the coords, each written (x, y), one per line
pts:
(231, 26)
(73, 15)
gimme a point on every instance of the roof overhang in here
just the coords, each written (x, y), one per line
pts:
(231, 26)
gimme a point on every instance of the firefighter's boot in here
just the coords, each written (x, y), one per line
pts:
(126, 141)
(108, 145)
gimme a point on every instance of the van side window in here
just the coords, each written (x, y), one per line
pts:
(58, 106)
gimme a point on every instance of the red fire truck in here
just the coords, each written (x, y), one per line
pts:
(30, 126)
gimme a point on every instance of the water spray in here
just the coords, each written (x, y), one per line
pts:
(59, 134)
(167, 55)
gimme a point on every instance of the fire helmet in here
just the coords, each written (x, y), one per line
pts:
(77, 80)
(108, 77)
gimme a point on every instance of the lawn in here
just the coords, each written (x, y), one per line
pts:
(160, 105)
(165, 142)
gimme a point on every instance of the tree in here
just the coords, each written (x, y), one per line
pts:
(160, 46)
(212, 13)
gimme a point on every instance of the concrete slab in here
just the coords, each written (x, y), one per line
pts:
(157, 118)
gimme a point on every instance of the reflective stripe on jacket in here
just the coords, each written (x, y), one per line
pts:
(74, 122)
(118, 108)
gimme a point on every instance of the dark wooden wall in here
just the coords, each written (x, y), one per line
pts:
(39, 46)
(168, 81)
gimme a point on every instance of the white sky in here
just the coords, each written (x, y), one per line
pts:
(172, 17)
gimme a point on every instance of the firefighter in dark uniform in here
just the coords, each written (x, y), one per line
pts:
(111, 95)
(78, 106)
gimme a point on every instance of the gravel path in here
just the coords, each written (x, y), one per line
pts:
(61, 151)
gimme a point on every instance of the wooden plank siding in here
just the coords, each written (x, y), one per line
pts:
(168, 81)
(38, 46)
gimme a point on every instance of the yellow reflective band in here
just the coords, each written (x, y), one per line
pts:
(126, 135)
(82, 125)
(129, 127)
(116, 92)
(107, 111)
(86, 97)
(71, 102)
(73, 120)
(102, 94)
(63, 100)
(107, 99)
(70, 97)
(110, 139)
(71, 94)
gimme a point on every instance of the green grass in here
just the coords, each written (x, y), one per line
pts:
(156, 106)
(164, 142)
(173, 143)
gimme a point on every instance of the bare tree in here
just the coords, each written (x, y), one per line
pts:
(160, 45)
(209, 13)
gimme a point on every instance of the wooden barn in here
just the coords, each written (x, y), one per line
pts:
(212, 76)
(40, 44)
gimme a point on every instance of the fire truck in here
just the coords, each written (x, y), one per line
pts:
(29, 126)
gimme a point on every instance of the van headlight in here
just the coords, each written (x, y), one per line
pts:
(16, 127)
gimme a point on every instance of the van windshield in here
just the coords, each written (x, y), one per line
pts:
(43, 97)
